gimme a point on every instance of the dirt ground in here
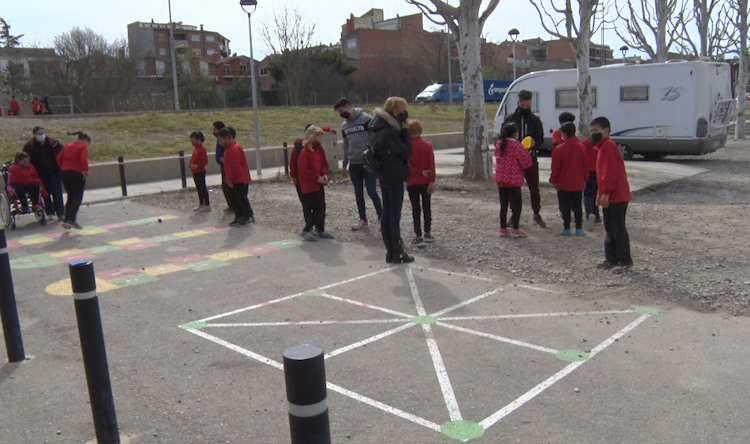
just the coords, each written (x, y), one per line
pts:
(689, 239)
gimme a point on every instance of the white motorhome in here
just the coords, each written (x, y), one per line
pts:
(656, 109)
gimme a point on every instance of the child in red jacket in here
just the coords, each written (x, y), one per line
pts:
(614, 195)
(569, 176)
(198, 162)
(237, 174)
(312, 176)
(512, 160)
(25, 182)
(421, 183)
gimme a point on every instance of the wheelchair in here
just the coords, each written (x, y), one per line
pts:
(11, 208)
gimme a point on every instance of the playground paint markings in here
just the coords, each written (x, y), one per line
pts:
(457, 428)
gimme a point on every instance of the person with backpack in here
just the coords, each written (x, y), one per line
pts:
(511, 160)
(43, 151)
(356, 137)
(392, 146)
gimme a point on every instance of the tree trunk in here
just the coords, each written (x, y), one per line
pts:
(701, 9)
(662, 20)
(581, 46)
(742, 78)
(477, 163)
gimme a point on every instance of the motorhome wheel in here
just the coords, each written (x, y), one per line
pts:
(627, 152)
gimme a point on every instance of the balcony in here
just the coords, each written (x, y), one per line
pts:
(235, 72)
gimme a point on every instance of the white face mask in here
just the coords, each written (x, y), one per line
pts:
(41, 138)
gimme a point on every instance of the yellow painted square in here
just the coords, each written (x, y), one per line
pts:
(158, 270)
(227, 256)
(65, 288)
(163, 218)
(63, 253)
(190, 233)
(123, 242)
(36, 240)
(92, 231)
(103, 286)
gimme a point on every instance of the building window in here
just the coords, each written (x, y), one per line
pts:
(351, 44)
(162, 51)
(210, 38)
(539, 55)
(568, 98)
(634, 93)
(227, 69)
(197, 51)
(195, 37)
(243, 69)
(162, 37)
(263, 72)
(210, 52)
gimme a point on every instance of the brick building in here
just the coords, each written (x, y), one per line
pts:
(228, 69)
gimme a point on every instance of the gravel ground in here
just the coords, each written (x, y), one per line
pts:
(689, 239)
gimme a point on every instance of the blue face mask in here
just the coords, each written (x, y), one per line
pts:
(41, 138)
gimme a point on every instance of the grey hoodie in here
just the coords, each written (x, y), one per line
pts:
(356, 137)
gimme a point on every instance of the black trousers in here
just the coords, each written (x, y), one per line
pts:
(31, 191)
(590, 195)
(617, 241)
(417, 193)
(225, 188)
(240, 202)
(200, 185)
(571, 200)
(532, 180)
(510, 197)
(74, 183)
(316, 207)
(305, 209)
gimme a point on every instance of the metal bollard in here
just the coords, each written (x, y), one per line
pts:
(286, 160)
(305, 376)
(8, 308)
(123, 184)
(182, 169)
(93, 351)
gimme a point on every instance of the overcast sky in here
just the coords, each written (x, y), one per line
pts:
(41, 20)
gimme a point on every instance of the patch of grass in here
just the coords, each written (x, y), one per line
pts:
(164, 134)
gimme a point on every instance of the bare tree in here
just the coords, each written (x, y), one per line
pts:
(739, 21)
(653, 20)
(466, 24)
(715, 30)
(434, 48)
(578, 32)
(290, 39)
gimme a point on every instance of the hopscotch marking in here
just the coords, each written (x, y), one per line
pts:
(409, 321)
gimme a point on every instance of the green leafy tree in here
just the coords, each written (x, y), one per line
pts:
(7, 40)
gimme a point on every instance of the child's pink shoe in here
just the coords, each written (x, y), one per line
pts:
(517, 233)
(504, 232)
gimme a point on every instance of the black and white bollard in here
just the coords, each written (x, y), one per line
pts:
(8, 308)
(286, 160)
(305, 376)
(93, 351)
(183, 174)
(123, 183)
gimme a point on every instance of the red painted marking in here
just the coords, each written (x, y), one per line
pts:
(13, 244)
(140, 246)
(117, 273)
(77, 257)
(61, 234)
(216, 229)
(264, 304)
(115, 226)
(259, 249)
(187, 259)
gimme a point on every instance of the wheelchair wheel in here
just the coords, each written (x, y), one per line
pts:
(40, 217)
(5, 216)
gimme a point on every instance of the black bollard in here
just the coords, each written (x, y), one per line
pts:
(8, 308)
(123, 184)
(305, 376)
(93, 351)
(182, 169)
(286, 160)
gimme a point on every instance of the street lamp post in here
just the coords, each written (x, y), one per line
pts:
(254, 4)
(173, 57)
(624, 50)
(450, 62)
(513, 33)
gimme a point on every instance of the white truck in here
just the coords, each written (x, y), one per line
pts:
(656, 109)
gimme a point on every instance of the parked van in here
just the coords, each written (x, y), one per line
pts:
(656, 109)
(438, 92)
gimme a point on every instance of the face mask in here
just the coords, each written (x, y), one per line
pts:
(41, 137)
(597, 137)
(525, 110)
(345, 115)
(402, 116)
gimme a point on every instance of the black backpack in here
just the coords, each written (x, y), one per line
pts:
(370, 161)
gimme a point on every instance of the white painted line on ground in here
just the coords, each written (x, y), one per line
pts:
(362, 304)
(369, 340)
(437, 359)
(528, 396)
(252, 307)
(533, 315)
(456, 274)
(238, 349)
(533, 288)
(498, 338)
(465, 303)
(313, 323)
(364, 276)
(384, 407)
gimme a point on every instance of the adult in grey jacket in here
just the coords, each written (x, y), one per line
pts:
(356, 137)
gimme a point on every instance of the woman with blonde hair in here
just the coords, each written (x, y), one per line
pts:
(391, 144)
(312, 176)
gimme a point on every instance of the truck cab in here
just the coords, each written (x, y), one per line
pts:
(438, 92)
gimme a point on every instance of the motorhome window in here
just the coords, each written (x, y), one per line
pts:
(568, 98)
(634, 93)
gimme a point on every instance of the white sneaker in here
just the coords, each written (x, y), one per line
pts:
(360, 224)
(590, 222)
(198, 208)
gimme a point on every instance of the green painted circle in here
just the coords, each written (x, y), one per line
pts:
(647, 310)
(572, 355)
(462, 430)
(195, 325)
(314, 293)
(424, 320)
